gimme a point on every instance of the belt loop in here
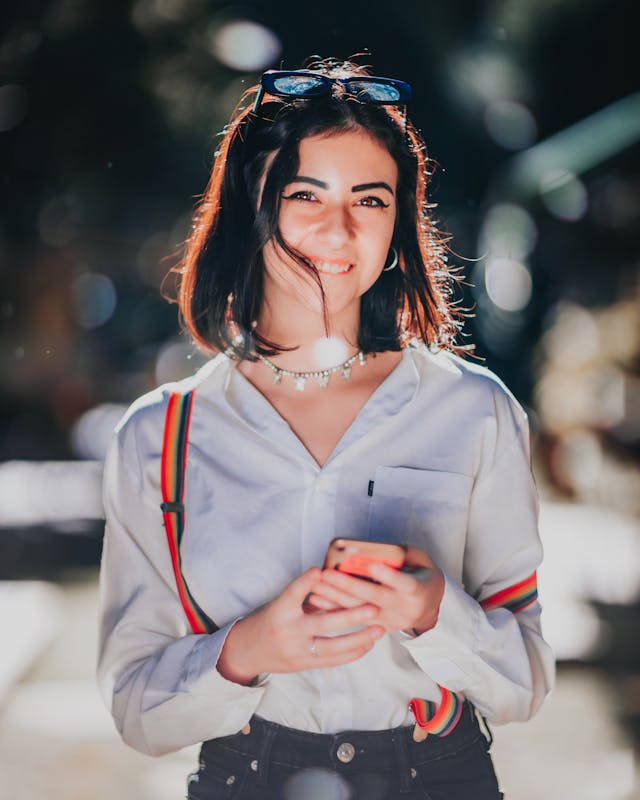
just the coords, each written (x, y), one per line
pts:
(402, 754)
(264, 753)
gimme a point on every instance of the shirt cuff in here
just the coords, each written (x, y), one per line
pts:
(447, 651)
(234, 702)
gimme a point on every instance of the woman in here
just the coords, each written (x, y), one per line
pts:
(336, 407)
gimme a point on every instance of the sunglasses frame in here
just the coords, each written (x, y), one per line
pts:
(268, 79)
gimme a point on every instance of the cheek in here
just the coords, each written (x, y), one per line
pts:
(273, 258)
(282, 270)
(293, 225)
(380, 240)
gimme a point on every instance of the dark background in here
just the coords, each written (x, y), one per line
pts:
(109, 113)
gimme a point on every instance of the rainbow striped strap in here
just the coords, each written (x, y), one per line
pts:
(438, 719)
(172, 473)
(514, 598)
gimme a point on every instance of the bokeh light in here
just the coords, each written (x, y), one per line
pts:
(176, 83)
(508, 284)
(317, 784)
(510, 124)
(481, 74)
(50, 492)
(152, 16)
(563, 194)
(177, 359)
(572, 337)
(91, 433)
(329, 352)
(244, 45)
(95, 299)
(508, 231)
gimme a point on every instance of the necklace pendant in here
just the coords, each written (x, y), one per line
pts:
(277, 377)
(346, 372)
(300, 382)
(323, 381)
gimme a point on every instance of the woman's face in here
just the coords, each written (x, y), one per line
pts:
(338, 211)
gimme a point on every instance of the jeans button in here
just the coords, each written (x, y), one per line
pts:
(345, 752)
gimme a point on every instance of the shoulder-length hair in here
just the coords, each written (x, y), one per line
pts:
(220, 277)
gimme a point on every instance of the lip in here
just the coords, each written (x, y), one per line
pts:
(333, 266)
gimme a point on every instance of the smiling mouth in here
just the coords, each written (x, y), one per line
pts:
(327, 268)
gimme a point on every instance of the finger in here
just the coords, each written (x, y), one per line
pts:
(333, 621)
(337, 597)
(299, 588)
(346, 656)
(328, 647)
(321, 602)
(365, 591)
(394, 579)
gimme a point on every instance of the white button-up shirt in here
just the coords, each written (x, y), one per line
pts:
(437, 457)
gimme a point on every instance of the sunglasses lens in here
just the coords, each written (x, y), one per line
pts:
(299, 85)
(374, 92)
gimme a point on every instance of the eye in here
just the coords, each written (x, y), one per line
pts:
(373, 202)
(303, 194)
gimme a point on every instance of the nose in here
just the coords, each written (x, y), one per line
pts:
(337, 226)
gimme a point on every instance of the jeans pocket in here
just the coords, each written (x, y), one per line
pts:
(220, 777)
(460, 775)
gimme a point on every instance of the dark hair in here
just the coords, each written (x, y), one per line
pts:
(221, 272)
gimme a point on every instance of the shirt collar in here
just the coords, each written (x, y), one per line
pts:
(395, 392)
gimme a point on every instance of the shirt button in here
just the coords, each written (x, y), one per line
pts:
(345, 752)
(231, 779)
(254, 765)
(413, 772)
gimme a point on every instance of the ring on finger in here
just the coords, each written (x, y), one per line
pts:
(314, 648)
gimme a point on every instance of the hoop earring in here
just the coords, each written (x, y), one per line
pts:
(394, 262)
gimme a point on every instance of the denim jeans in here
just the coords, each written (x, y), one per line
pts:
(272, 762)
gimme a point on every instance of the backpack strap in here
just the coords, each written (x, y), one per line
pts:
(172, 474)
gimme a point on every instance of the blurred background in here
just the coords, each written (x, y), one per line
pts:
(109, 114)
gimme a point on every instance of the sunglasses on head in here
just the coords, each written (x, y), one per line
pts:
(305, 84)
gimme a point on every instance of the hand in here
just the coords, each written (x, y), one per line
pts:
(405, 602)
(281, 637)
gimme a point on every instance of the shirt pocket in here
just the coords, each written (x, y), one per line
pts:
(422, 507)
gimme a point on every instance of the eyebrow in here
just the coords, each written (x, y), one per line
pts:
(361, 187)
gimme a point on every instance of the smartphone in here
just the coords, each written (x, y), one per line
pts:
(354, 556)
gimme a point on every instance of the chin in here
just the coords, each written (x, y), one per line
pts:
(334, 306)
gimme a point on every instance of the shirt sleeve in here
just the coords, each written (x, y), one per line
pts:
(487, 643)
(158, 678)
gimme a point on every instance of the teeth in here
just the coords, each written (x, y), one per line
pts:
(332, 269)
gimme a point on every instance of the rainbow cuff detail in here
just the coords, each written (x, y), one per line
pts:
(514, 598)
(437, 719)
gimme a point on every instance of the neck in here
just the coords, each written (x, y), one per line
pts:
(298, 328)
